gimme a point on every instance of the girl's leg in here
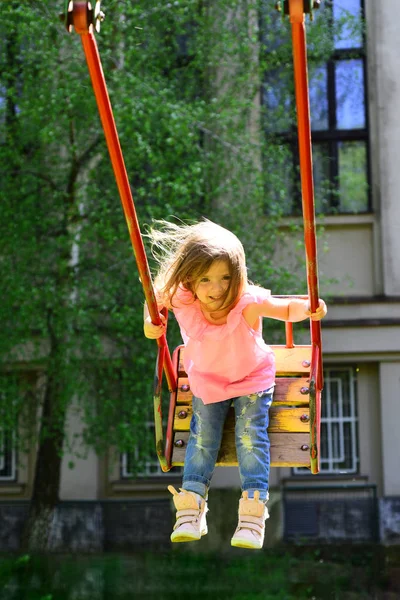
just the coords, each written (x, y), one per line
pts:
(252, 446)
(206, 429)
(252, 441)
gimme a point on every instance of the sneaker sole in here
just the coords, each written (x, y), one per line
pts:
(187, 537)
(240, 543)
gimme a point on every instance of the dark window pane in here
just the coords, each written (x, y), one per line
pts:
(336, 398)
(347, 395)
(276, 98)
(350, 112)
(347, 17)
(324, 450)
(280, 184)
(7, 457)
(336, 431)
(274, 34)
(349, 435)
(353, 186)
(321, 174)
(318, 82)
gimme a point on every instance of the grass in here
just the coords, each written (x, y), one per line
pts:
(287, 573)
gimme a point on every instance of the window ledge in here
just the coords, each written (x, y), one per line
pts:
(327, 220)
(325, 479)
(360, 219)
(148, 485)
(12, 489)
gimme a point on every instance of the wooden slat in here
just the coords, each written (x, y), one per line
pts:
(183, 397)
(287, 391)
(181, 368)
(285, 450)
(292, 361)
(289, 361)
(289, 420)
(282, 419)
(182, 424)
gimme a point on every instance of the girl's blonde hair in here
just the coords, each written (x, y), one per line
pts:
(186, 252)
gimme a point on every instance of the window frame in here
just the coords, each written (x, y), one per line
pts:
(332, 136)
(329, 420)
(7, 449)
(147, 473)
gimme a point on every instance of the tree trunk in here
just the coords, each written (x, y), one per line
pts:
(38, 528)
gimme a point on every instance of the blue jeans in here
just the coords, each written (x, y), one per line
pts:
(252, 442)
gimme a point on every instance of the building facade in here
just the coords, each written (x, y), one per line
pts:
(359, 250)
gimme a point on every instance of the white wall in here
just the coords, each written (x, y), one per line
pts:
(82, 481)
(390, 426)
(384, 101)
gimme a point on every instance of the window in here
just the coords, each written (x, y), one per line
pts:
(7, 457)
(339, 433)
(16, 398)
(151, 468)
(338, 115)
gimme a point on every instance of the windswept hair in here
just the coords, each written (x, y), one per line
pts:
(184, 253)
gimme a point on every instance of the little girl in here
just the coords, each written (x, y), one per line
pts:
(202, 278)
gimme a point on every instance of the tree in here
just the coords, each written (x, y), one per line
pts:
(184, 80)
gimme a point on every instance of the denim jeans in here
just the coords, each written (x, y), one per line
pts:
(252, 442)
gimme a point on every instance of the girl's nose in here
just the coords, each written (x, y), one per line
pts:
(217, 289)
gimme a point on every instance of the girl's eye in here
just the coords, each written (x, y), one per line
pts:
(204, 280)
(226, 277)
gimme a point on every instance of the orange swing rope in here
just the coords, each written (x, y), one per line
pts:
(297, 20)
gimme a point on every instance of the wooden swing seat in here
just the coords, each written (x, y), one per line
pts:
(289, 427)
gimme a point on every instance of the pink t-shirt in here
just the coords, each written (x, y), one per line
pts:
(224, 361)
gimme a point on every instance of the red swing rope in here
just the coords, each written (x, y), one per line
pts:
(296, 13)
(81, 17)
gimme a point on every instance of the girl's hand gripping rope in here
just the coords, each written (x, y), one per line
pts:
(153, 332)
(319, 313)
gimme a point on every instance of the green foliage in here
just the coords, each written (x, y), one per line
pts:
(355, 572)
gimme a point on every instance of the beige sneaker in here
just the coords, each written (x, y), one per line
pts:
(191, 512)
(251, 527)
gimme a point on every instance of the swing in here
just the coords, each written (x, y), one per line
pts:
(295, 414)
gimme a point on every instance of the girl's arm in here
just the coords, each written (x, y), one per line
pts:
(283, 309)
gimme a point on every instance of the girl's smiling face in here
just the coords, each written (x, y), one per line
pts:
(212, 287)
